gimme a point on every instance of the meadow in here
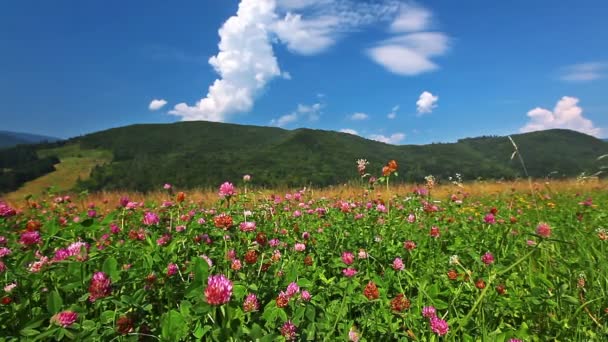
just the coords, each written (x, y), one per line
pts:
(482, 261)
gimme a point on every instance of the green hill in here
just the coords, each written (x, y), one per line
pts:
(197, 154)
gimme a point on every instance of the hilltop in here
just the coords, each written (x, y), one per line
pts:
(200, 154)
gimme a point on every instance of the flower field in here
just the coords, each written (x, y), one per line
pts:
(405, 266)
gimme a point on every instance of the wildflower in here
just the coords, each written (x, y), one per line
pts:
(400, 303)
(6, 210)
(362, 254)
(124, 325)
(30, 238)
(602, 234)
(288, 330)
(487, 258)
(480, 284)
(353, 335)
(246, 178)
(371, 291)
(398, 264)
(172, 269)
(348, 258)
(251, 257)
(167, 186)
(430, 181)
(349, 272)
(452, 274)
(274, 242)
(247, 226)
(78, 249)
(308, 260)
(282, 300)
(261, 238)
(150, 219)
(515, 340)
(226, 190)
(223, 221)
(305, 295)
(543, 229)
(100, 286)
(411, 218)
(439, 326)
(429, 312)
(435, 232)
(361, 164)
(2, 266)
(219, 290)
(180, 197)
(501, 289)
(454, 260)
(4, 252)
(409, 245)
(300, 247)
(10, 287)
(36, 266)
(490, 219)
(65, 318)
(236, 265)
(292, 289)
(251, 303)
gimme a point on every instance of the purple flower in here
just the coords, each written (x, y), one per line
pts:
(65, 318)
(305, 295)
(30, 238)
(288, 330)
(251, 303)
(349, 272)
(219, 290)
(292, 289)
(150, 218)
(487, 258)
(247, 226)
(226, 190)
(439, 326)
(489, 219)
(398, 264)
(429, 312)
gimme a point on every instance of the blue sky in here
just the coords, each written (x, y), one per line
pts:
(397, 71)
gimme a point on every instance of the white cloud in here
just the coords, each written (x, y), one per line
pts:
(583, 72)
(393, 112)
(426, 103)
(566, 114)
(410, 53)
(245, 63)
(311, 112)
(393, 139)
(349, 131)
(323, 22)
(359, 116)
(157, 104)
(411, 18)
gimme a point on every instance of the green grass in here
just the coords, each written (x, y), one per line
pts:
(76, 163)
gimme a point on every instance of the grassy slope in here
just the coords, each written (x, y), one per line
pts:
(75, 163)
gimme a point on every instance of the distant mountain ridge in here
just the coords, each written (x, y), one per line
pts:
(9, 139)
(205, 154)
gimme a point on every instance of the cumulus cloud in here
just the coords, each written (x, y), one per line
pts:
(245, 63)
(359, 116)
(393, 112)
(426, 103)
(410, 52)
(310, 112)
(393, 139)
(349, 131)
(157, 104)
(566, 114)
(583, 72)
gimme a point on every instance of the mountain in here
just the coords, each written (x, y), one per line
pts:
(9, 139)
(205, 154)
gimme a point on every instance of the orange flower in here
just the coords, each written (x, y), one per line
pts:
(386, 171)
(392, 165)
(181, 196)
(371, 291)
